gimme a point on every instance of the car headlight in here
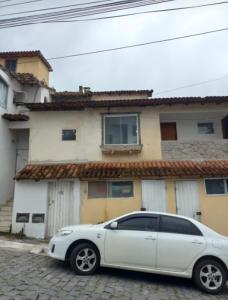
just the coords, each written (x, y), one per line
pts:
(64, 232)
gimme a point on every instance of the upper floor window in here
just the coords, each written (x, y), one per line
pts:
(69, 135)
(206, 128)
(11, 64)
(3, 93)
(121, 129)
(168, 131)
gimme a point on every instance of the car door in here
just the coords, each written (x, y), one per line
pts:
(179, 243)
(133, 243)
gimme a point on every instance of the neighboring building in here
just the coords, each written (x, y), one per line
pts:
(15, 90)
(96, 155)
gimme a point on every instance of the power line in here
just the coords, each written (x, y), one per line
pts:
(79, 12)
(140, 13)
(20, 3)
(191, 85)
(139, 45)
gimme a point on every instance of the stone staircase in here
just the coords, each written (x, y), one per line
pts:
(6, 216)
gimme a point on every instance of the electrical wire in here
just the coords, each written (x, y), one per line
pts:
(140, 44)
(191, 85)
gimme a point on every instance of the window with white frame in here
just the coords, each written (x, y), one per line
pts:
(121, 129)
(206, 128)
(216, 186)
(3, 94)
(110, 189)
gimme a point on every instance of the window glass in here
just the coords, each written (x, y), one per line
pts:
(121, 189)
(11, 64)
(206, 128)
(3, 93)
(139, 223)
(178, 225)
(110, 189)
(68, 134)
(97, 189)
(120, 130)
(215, 186)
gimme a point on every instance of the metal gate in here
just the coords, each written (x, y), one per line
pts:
(154, 195)
(63, 205)
(187, 198)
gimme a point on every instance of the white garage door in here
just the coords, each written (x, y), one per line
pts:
(154, 195)
(187, 198)
(63, 205)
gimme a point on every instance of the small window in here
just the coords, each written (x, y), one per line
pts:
(110, 189)
(11, 64)
(98, 189)
(121, 130)
(178, 225)
(216, 186)
(121, 189)
(168, 131)
(3, 93)
(139, 223)
(22, 218)
(206, 128)
(69, 135)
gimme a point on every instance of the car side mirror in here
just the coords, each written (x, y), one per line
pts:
(114, 225)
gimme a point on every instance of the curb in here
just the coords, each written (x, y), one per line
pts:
(35, 249)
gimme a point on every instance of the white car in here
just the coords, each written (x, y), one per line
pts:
(148, 242)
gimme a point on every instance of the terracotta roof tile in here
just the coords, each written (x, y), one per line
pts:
(144, 169)
(81, 104)
(18, 54)
(27, 78)
(15, 117)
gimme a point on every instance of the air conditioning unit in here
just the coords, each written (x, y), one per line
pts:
(20, 97)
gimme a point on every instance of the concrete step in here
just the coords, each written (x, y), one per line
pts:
(6, 208)
(4, 228)
(4, 223)
(6, 218)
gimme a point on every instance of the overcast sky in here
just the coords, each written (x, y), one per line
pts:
(159, 67)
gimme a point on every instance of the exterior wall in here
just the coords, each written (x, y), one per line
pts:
(30, 197)
(7, 148)
(31, 65)
(101, 210)
(214, 210)
(213, 207)
(46, 144)
(178, 150)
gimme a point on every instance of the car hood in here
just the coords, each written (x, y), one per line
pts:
(83, 226)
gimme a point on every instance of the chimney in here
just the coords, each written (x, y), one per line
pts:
(83, 89)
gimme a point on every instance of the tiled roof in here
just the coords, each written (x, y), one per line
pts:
(144, 169)
(81, 104)
(18, 54)
(26, 78)
(76, 95)
(15, 117)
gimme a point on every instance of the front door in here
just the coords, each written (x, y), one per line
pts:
(61, 206)
(154, 195)
(133, 243)
(187, 198)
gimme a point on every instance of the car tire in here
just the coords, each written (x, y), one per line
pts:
(85, 259)
(210, 276)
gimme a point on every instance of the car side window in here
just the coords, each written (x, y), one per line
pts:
(139, 223)
(177, 225)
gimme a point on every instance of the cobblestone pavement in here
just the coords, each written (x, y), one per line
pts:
(29, 276)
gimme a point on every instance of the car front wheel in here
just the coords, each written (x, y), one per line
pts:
(210, 276)
(85, 259)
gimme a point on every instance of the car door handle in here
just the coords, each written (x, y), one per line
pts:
(150, 238)
(197, 242)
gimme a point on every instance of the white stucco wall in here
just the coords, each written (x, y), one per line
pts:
(187, 125)
(7, 147)
(30, 197)
(46, 145)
